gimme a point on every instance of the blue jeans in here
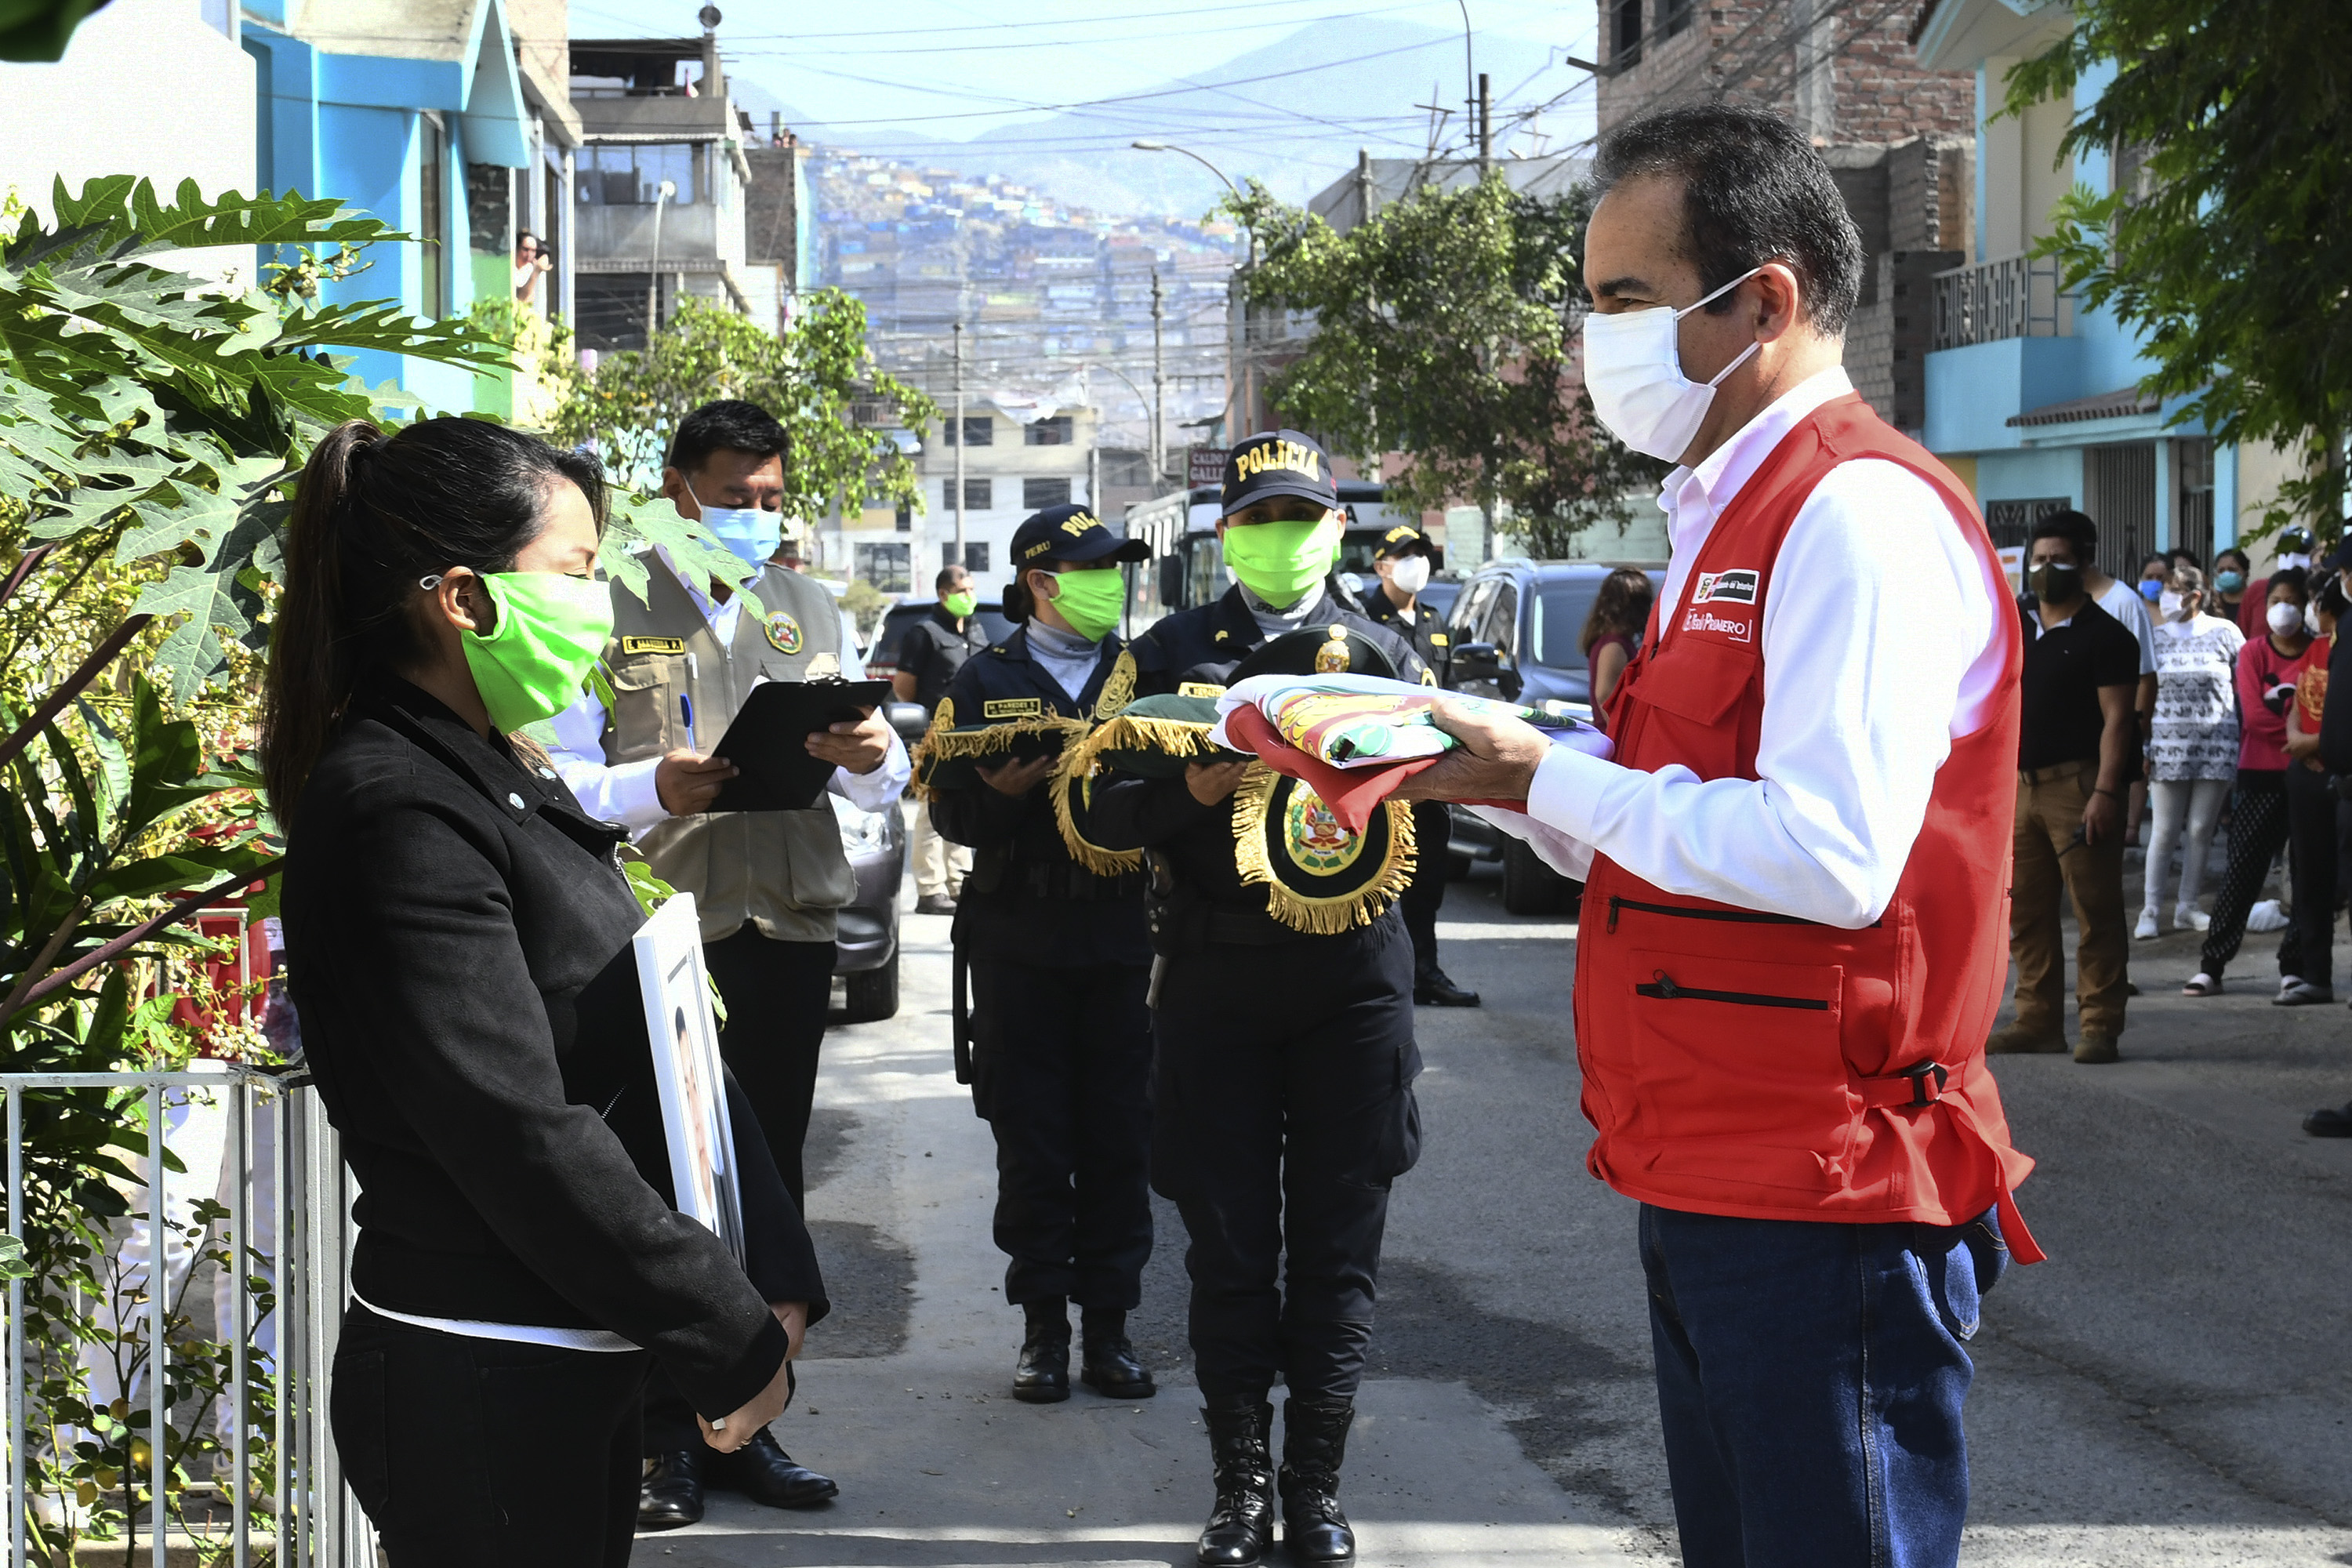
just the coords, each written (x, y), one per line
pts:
(1810, 1380)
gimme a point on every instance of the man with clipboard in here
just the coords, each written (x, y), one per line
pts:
(767, 880)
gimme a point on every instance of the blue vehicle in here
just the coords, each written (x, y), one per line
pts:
(1514, 632)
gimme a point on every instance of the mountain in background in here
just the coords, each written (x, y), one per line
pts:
(1238, 121)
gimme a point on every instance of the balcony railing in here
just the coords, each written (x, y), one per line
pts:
(2009, 296)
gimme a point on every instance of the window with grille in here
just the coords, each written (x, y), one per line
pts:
(2011, 521)
(976, 495)
(2119, 494)
(2192, 507)
(433, 213)
(1676, 15)
(1036, 495)
(888, 566)
(975, 556)
(1053, 432)
(979, 430)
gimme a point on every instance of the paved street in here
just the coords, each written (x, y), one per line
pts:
(2171, 1388)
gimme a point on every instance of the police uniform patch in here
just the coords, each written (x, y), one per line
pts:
(1011, 707)
(784, 633)
(1319, 877)
(652, 645)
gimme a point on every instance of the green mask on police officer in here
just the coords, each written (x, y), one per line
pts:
(1281, 562)
(550, 632)
(1091, 600)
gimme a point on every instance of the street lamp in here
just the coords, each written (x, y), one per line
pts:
(1234, 359)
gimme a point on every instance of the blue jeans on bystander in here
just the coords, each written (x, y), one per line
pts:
(1810, 1378)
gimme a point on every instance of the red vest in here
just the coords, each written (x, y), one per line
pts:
(1743, 1063)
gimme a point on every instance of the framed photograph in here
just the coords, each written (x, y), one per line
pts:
(687, 1072)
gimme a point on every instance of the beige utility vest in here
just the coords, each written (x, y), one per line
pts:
(783, 871)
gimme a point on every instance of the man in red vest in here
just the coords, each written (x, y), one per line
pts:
(1795, 921)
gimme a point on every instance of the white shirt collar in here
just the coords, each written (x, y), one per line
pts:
(1703, 492)
(711, 608)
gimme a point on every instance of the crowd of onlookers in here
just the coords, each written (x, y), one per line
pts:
(2155, 712)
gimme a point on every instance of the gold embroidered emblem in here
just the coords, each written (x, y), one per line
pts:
(784, 633)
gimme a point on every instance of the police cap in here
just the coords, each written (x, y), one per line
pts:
(1071, 533)
(1333, 650)
(1406, 540)
(1279, 463)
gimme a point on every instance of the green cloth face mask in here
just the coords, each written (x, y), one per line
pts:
(959, 605)
(1281, 562)
(550, 631)
(1091, 600)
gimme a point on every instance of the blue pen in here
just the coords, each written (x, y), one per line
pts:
(686, 712)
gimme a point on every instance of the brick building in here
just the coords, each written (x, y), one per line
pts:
(1899, 138)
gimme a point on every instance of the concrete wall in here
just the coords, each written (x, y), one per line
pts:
(146, 88)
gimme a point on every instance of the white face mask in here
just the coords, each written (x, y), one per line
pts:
(1410, 573)
(1633, 368)
(2168, 603)
(2285, 619)
(2311, 620)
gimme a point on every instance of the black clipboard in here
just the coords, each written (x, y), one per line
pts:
(768, 741)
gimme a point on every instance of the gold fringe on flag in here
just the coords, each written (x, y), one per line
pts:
(1078, 773)
(943, 742)
(1300, 912)
(1134, 733)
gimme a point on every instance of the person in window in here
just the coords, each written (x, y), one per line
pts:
(1613, 632)
(2193, 749)
(459, 938)
(531, 262)
(2265, 678)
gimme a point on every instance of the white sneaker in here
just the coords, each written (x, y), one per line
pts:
(2147, 927)
(2188, 917)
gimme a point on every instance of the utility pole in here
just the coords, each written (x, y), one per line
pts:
(957, 441)
(1486, 126)
(1159, 393)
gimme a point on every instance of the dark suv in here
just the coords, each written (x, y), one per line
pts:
(882, 658)
(1513, 633)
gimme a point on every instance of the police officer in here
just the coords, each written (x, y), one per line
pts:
(930, 653)
(1061, 1046)
(766, 883)
(1404, 560)
(1283, 1085)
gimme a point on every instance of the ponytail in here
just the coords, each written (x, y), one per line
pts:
(374, 514)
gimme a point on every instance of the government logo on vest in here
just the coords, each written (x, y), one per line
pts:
(1699, 620)
(784, 633)
(1736, 587)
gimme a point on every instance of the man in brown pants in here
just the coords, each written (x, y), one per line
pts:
(2081, 668)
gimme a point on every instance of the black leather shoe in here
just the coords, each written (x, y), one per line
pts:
(1043, 1376)
(762, 1471)
(2336, 1122)
(1240, 1532)
(670, 1496)
(1314, 1442)
(1435, 990)
(1109, 1366)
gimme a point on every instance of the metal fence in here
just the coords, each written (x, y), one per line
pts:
(303, 1214)
(2008, 297)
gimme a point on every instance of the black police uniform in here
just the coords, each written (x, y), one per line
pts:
(934, 649)
(1433, 824)
(1061, 1040)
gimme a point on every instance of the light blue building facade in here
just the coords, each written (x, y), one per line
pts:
(383, 106)
(2031, 397)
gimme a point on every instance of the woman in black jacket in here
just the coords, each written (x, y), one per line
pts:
(457, 932)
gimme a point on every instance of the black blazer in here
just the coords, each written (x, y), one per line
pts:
(457, 937)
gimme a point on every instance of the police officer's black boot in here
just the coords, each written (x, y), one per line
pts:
(1043, 1375)
(1108, 1363)
(1314, 1441)
(1240, 1530)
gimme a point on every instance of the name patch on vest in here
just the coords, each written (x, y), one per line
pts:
(1012, 708)
(784, 633)
(652, 645)
(1737, 586)
(1709, 621)
(1199, 689)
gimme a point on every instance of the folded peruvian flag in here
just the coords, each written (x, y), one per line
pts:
(1353, 739)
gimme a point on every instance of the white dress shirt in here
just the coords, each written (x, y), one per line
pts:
(1883, 637)
(625, 793)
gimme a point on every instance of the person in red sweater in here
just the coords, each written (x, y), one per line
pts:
(2258, 817)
